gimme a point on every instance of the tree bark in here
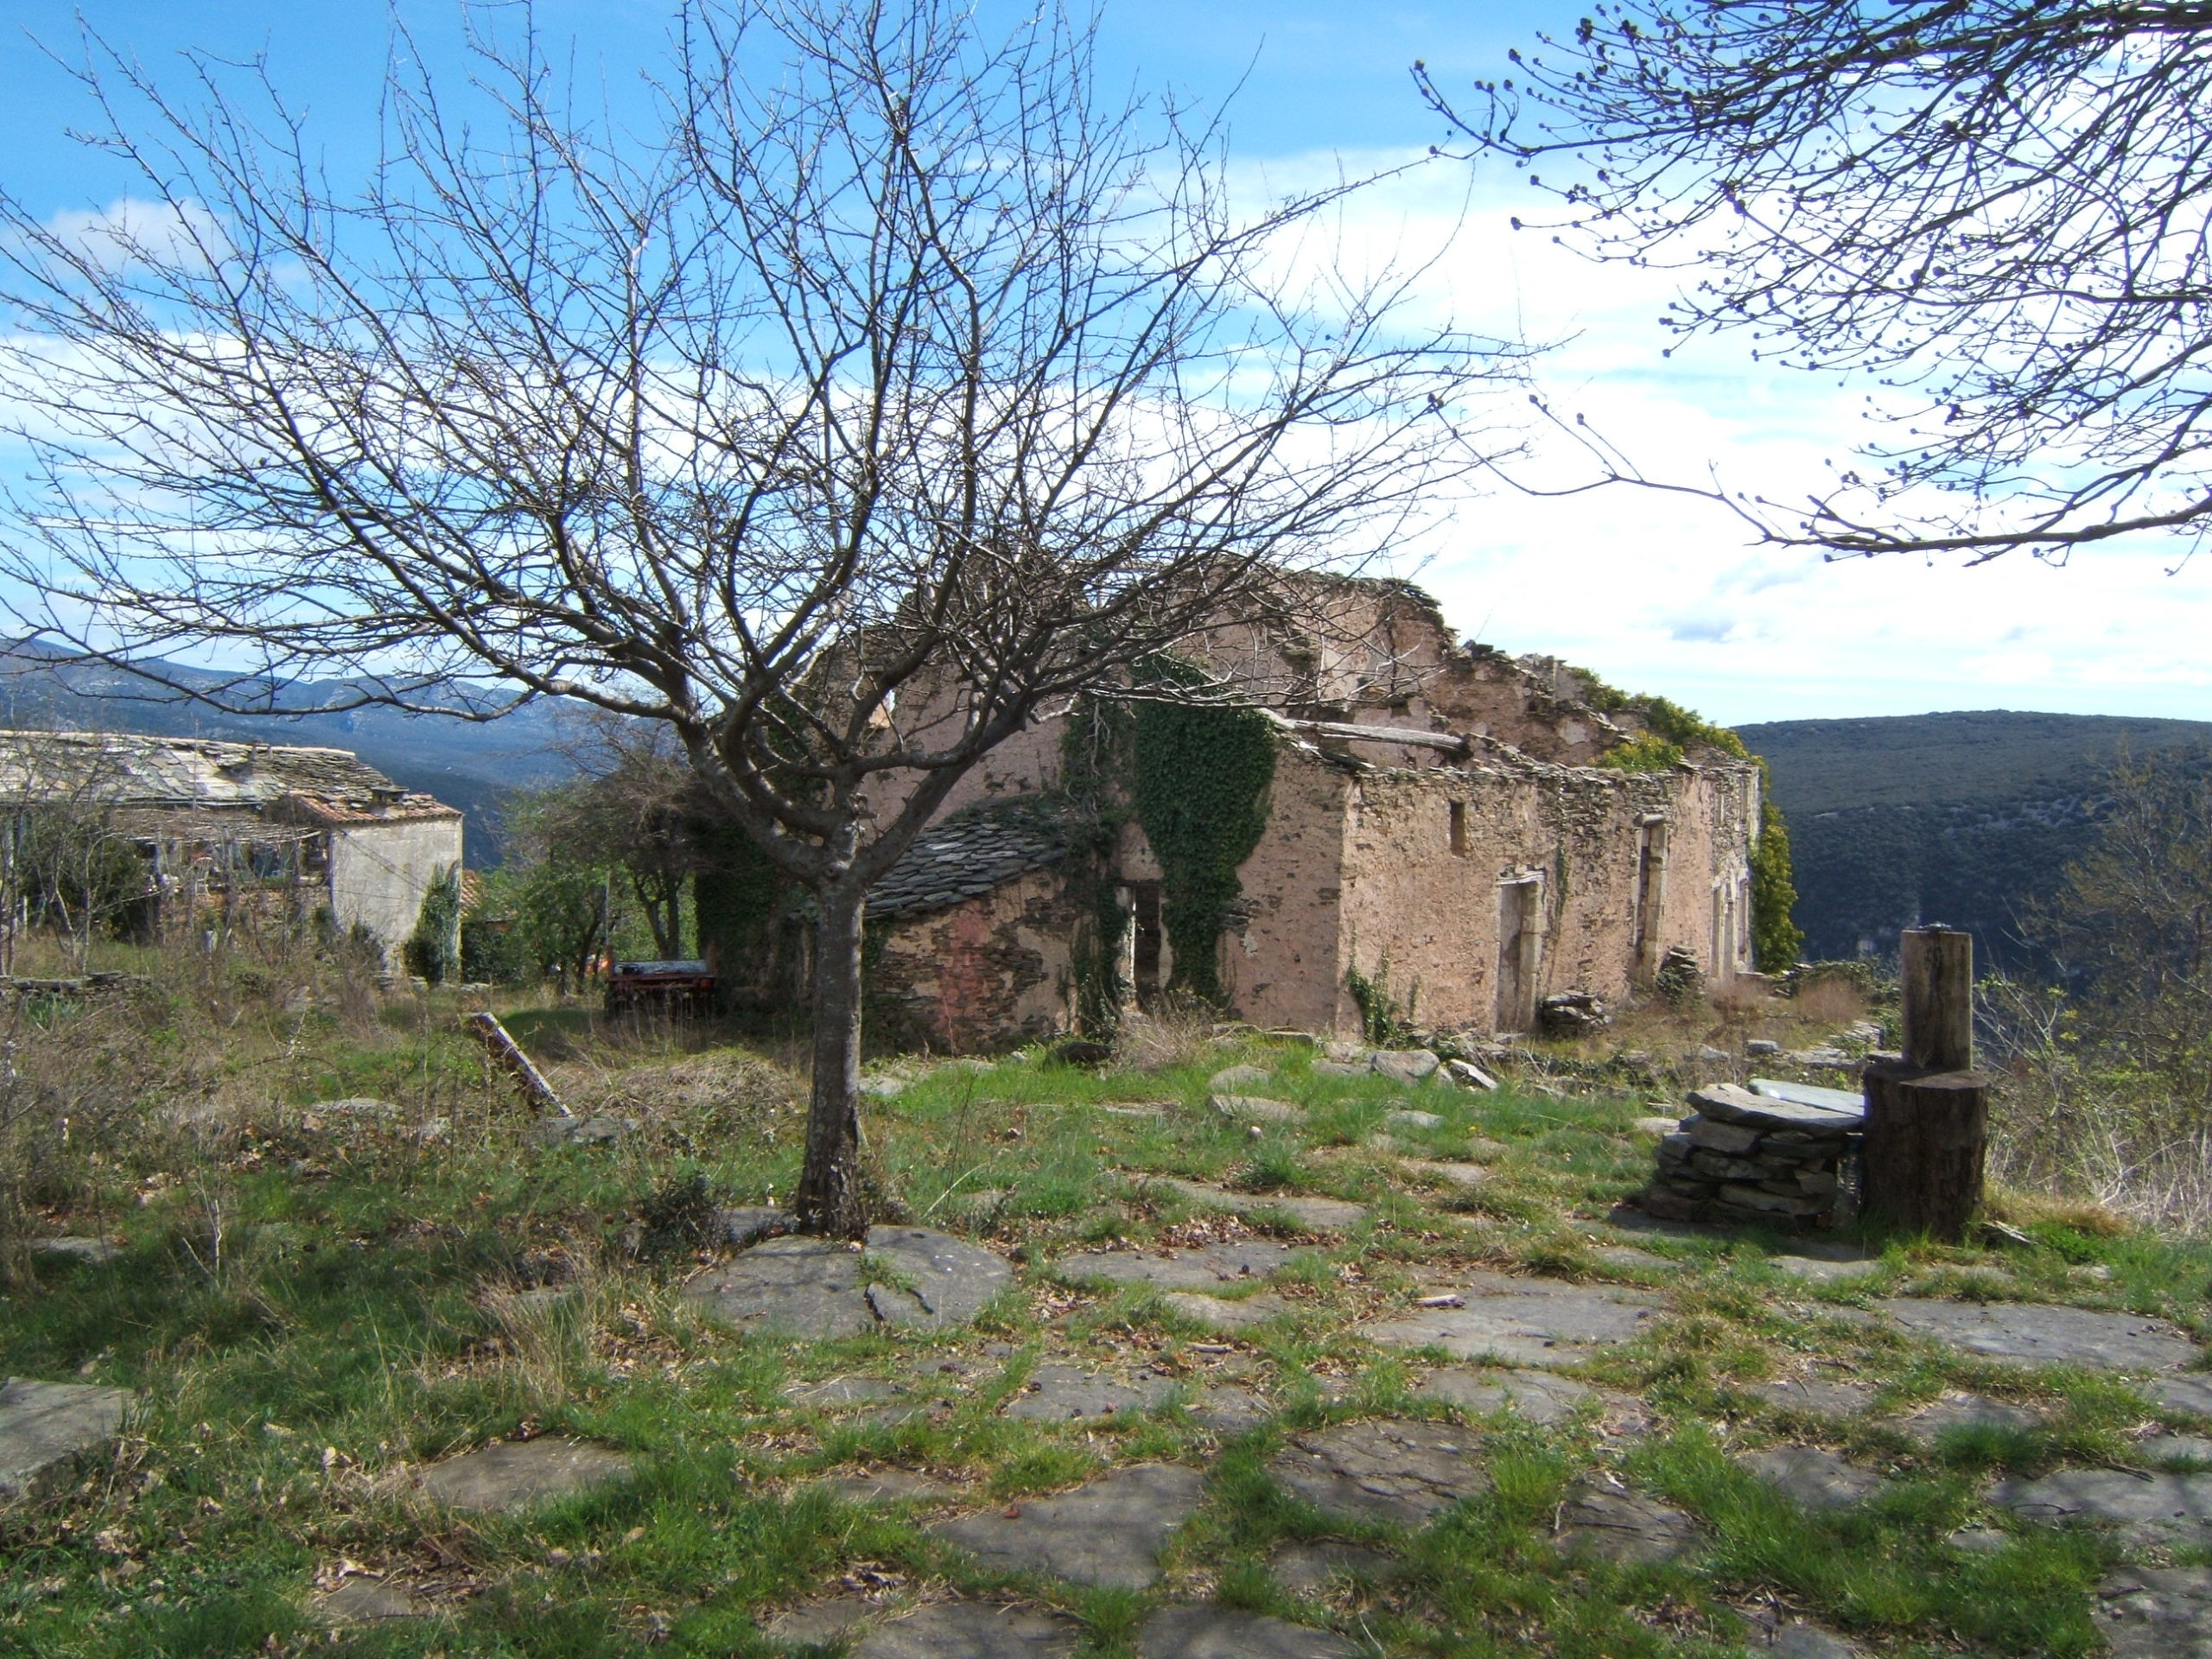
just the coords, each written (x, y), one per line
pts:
(830, 1199)
(1937, 965)
(1926, 1134)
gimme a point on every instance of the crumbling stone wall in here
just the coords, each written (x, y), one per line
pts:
(981, 974)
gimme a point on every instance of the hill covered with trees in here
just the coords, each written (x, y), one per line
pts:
(1964, 818)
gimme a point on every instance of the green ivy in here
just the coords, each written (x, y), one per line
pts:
(1097, 761)
(1200, 789)
(432, 951)
(1776, 936)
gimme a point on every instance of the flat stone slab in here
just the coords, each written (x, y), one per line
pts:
(2156, 1612)
(1322, 1214)
(1811, 1476)
(971, 1630)
(1969, 1411)
(365, 1601)
(1729, 1104)
(2174, 1448)
(1450, 1173)
(45, 1427)
(1536, 1396)
(1255, 1108)
(1308, 1569)
(2145, 1505)
(1237, 1078)
(1815, 1396)
(1219, 1313)
(1613, 1524)
(1206, 1266)
(817, 1289)
(2034, 1334)
(1404, 1065)
(1058, 1393)
(1522, 1321)
(1228, 1409)
(1811, 1094)
(1390, 1469)
(78, 1247)
(1223, 1633)
(2191, 1394)
(516, 1474)
(1109, 1533)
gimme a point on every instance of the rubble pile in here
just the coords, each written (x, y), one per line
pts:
(1777, 1152)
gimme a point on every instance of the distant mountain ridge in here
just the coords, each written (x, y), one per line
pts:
(1965, 818)
(467, 764)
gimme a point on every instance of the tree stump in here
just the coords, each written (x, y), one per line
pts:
(1926, 1133)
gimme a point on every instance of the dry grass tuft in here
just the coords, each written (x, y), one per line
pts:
(1178, 1030)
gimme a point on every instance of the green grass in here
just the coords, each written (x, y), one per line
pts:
(309, 1314)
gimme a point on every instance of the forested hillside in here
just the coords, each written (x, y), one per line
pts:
(1963, 818)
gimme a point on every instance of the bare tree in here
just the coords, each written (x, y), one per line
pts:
(1995, 209)
(892, 359)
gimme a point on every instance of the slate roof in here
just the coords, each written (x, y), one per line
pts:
(964, 858)
(125, 769)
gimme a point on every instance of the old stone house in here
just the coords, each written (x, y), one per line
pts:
(221, 826)
(1437, 817)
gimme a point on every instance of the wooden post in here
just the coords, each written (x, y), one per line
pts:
(1938, 968)
(1926, 1114)
(503, 1048)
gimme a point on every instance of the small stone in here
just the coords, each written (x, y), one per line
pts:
(2190, 1395)
(1979, 1540)
(1450, 1173)
(1308, 1569)
(1614, 1524)
(1802, 1641)
(818, 1624)
(1404, 1065)
(45, 1427)
(2174, 1448)
(1107, 1532)
(1393, 1470)
(365, 1601)
(745, 1225)
(1468, 1075)
(353, 1106)
(1412, 1120)
(2039, 1334)
(1209, 1632)
(1758, 1046)
(1219, 1313)
(1252, 1108)
(516, 1474)
(1811, 1476)
(1819, 1270)
(972, 1630)
(2156, 1612)
(1058, 1393)
(1237, 1078)
(1709, 1055)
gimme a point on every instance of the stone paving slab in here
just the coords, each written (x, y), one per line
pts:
(971, 1630)
(45, 1427)
(1223, 1633)
(816, 1288)
(887, 1485)
(2191, 1394)
(1255, 1108)
(1107, 1532)
(2174, 1448)
(1219, 1313)
(1730, 1104)
(1537, 1396)
(1849, 1101)
(1323, 1215)
(2035, 1333)
(1206, 1266)
(1811, 1476)
(1816, 1396)
(1523, 1321)
(835, 1392)
(1308, 1569)
(1822, 1271)
(1448, 1173)
(1967, 1411)
(1802, 1641)
(516, 1474)
(1407, 1118)
(1390, 1469)
(1236, 1079)
(2145, 1505)
(1057, 1394)
(1614, 1524)
(365, 1601)
(1228, 1409)
(2156, 1612)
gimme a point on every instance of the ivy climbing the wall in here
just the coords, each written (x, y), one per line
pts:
(1201, 777)
(1096, 758)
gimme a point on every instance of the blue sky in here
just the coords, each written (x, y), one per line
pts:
(1655, 593)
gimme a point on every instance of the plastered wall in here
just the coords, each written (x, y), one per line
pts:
(379, 872)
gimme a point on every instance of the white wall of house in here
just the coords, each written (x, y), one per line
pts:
(379, 872)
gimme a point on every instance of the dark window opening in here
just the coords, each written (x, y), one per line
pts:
(1460, 827)
(1144, 916)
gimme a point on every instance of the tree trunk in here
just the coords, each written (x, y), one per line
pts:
(829, 1200)
(1927, 1137)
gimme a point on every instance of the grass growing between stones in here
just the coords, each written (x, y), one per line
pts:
(313, 1308)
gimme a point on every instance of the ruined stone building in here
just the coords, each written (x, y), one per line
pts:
(220, 825)
(1436, 813)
